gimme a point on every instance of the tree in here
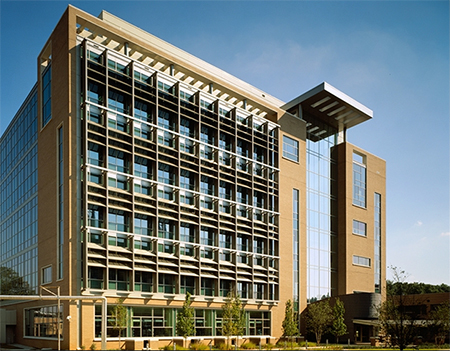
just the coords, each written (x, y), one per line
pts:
(440, 322)
(185, 319)
(397, 318)
(289, 323)
(338, 327)
(233, 319)
(393, 288)
(11, 283)
(119, 312)
(319, 316)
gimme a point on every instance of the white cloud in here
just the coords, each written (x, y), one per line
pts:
(418, 224)
(445, 234)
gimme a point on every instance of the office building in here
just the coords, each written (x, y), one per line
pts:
(135, 170)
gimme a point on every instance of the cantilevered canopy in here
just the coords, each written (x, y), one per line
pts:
(331, 106)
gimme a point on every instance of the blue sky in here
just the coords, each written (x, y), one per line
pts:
(392, 57)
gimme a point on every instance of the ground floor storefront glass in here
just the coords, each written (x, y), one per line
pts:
(161, 322)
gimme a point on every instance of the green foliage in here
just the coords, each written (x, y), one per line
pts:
(440, 322)
(11, 283)
(310, 344)
(170, 347)
(233, 319)
(338, 327)
(223, 346)
(198, 346)
(319, 317)
(289, 324)
(268, 346)
(119, 312)
(93, 347)
(185, 319)
(248, 346)
(398, 288)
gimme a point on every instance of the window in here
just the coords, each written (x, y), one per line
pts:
(95, 93)
(166, 120)
(142, 130)
(166, 247)
(166, 283)
(142, 167)
(187, 232)
(207, 287)
(95, 278)
(95, 155)
(225, 239)
(359, 180)
(290, 148)
(142, 110)
(117, 122)
(117, 181)
(207, 185)
(166, 229)
(142, 224)
(377, 239)
(60, 178)
(359, 228)
(117, 161)
(118, 240)
(47, 95)
(187, 180)
(118, 279)
(116, 101)
(187, 285)
(143, 281)
(43, 322)
(46, 275)
(142, 187)
(143, 244)
(95, 216)
(207, 236)
(187, 250)
(118, 220)
(166, 174)
(361, 261)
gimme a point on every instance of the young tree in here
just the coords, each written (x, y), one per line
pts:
(396, 319)
(185, 319)
(338, 328)
(239, 316)
(289, 324)
(120, 317)
(233, 318)
(319, 316)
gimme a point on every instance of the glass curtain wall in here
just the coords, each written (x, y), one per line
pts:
(18, 195)
(321, 202)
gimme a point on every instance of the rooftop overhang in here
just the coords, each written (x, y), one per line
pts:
(329, 105)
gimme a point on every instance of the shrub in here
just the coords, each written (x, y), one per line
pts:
(310, 344)
(268, 346)
(224, 346)
(248, 345)
(170, 347)
(93, 347)
(199, 346)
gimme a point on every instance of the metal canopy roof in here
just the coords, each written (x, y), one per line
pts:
(330, 105)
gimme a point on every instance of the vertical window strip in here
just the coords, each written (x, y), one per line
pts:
(47, 95)
(377, 236)
(60, 203)
(295, 232)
